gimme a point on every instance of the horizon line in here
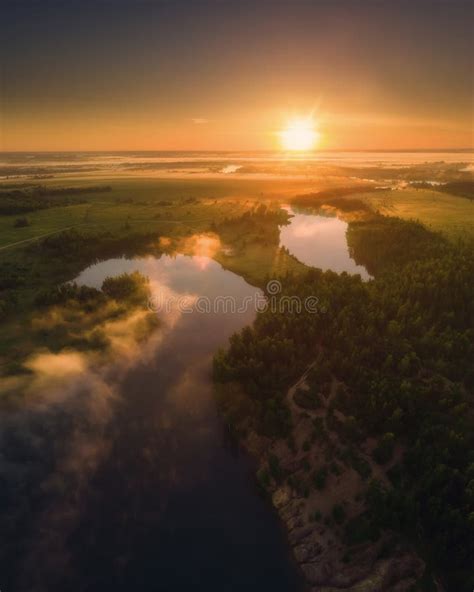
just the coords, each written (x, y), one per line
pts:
(247, 150)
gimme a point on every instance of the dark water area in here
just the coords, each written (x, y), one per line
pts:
(172, 504)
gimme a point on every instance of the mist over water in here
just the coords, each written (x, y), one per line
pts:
(141, 487)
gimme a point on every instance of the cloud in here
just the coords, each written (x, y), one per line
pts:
(58, 419)
(58, 427)
(199, 120)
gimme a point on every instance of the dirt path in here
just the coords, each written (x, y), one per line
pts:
(39, 236)
(34, 238)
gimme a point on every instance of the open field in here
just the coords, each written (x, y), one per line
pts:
(143, 204)
(136, 207)
(451, 215)
(177, 208)
(160, 204)
(181, 207)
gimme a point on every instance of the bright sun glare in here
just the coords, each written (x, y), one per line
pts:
(299, 134)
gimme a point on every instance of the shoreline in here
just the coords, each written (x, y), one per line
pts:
(325, 561)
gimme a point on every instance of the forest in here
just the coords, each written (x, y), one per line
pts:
(401, 348)
(23, 197)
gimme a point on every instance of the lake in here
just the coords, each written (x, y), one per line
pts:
(173, 506)
(319, 241)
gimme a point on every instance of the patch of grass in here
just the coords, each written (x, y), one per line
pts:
(360, 530)
(338, 514)
(317, 516)
(274, 467)
(307, 399)
(264, 478)
(438, 211)
(319, 478)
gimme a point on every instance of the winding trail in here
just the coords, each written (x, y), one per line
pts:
(34, 238)
(39, 236)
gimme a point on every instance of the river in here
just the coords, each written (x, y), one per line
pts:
(174, 505)
(153, 494)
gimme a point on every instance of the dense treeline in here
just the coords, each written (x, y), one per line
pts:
(459, 188)
(403, 346)
(130, 288)
(67, 252)
(438, 171)
(257, 225)
(78, 247)
(49, 191)
(381, 243)
(336, 197)
(28, 199)
(254, 218)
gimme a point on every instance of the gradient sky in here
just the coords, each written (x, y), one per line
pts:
(195, 75)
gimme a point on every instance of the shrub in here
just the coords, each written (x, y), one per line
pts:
(131, 287)
(384, 451)
(360, 530)
(21, 223)
(66, 292)
(307, 399)
(291, 443)
(274, 466)
(263, 477)
(319, 478)
(317, 516)
(338, 514)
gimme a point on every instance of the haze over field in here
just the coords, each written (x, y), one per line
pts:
(236, 296)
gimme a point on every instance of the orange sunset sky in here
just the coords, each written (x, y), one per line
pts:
(228, 76)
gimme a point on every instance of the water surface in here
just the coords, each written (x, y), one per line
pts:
(173, 506)
(320, 241)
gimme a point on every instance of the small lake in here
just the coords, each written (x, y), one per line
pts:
(173, 507)
(320, 241)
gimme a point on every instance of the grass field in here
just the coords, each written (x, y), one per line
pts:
(180, 207)
(137, 206)
(135, 202)
(451, 215)
(176, 209)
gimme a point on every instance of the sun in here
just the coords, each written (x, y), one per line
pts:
(300, 134)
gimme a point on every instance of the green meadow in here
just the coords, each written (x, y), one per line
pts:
(441, 212)
(170, 205)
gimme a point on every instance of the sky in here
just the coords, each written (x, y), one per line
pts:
(228, 75)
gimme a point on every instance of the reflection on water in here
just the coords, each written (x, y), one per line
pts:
(170, 504)
(320, 241)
